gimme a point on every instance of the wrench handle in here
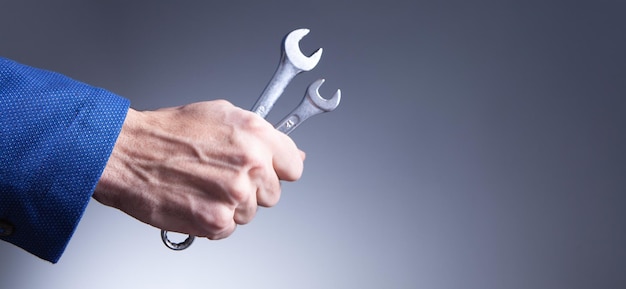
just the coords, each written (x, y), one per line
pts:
(283, 75)
(289, 123)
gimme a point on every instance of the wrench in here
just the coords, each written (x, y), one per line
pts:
(312, 104)
(292, 62)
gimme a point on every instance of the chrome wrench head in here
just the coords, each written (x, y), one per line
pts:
(313, 95)
(292, 62)
(291, 47)
(176, 246)
(312, 104)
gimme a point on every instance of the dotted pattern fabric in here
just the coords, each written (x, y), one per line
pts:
(56, 135)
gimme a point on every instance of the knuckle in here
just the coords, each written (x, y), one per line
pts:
(220, 102)
(271, 198)
(221, 224)
(238, 196)
(239, 191)
(252, 158)
(252, 163)
(292, 171)
(295, 173)
(245, 216)
(252, 122)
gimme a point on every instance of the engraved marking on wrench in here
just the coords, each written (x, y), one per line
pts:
(312, 104)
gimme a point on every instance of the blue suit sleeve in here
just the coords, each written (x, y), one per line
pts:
(56, 135)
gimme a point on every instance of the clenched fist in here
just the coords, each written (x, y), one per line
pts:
(199, 169)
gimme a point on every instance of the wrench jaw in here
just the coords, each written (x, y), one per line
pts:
(291, 48)
(314, 96)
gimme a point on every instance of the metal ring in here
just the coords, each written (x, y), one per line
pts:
(176, 246)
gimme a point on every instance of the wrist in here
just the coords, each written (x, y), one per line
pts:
(114, 178)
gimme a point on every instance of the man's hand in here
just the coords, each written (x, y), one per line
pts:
(199, 169)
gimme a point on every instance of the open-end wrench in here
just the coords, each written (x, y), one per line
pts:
(292, 62)
(312, 104)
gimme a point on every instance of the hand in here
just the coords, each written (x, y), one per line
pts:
(199, 169)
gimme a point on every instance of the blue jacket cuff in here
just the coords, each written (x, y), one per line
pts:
(57, 135)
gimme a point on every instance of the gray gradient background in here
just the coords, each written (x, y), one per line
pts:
(479, 144)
